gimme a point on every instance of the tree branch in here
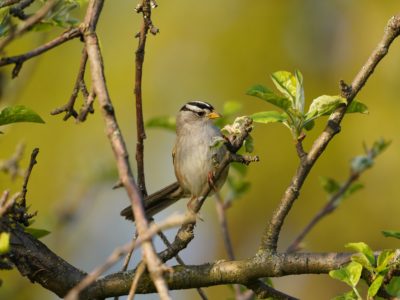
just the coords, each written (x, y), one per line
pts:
(18, 60)
(271, 234)
(28, 24)
(118, 144)
(145, 9)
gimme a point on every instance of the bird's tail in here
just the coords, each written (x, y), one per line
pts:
(157, 201)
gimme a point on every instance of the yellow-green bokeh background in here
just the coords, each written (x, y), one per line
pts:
(211, 50)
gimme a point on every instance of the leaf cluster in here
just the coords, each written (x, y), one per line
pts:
(377, 268)
(291, 102)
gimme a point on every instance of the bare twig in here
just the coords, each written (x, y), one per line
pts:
(335, 199)
(172, 221)
(145, 9)
(6, 204)
(20, 59)
(139, 272)
(18, 10)
(11, 165)
(28, 24)
(32, 163)
(79, 83)
(271, 234)
(223, 223)
(167, 243)
(153, 263)
(5, 3)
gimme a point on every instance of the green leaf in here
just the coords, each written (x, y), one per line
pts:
(347, 296)
(165, 122)
(331, 186)
(4, 242)
(391, 233)
(383, 260)
(357, 107)
(266, 94)
(393, 287)
(352, 189)
(324, 105)
(375, 286)
(362, 247)
(299, 92)
(286, 83)
(19, 113)
(379, 146)
(268, 117)
(362, 260)
(37, 233)
(350, 274)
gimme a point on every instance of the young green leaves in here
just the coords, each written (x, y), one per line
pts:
(377, 267)
(292, 103)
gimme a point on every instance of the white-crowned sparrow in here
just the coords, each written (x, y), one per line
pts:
(194, 158)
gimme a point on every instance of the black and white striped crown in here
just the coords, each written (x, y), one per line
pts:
(197, 106)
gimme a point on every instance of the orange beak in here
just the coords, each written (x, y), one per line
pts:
(213, 115)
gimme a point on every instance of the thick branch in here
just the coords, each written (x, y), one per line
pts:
(271, 234)
(41, 265)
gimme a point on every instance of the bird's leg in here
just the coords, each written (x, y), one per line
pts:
(190, 204)
(210, 178)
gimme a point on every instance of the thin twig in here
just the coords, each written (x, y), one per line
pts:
(223, 223)
(79, 82)
(328, 208)
(139, 272)
(145, 9)
(5, 3)
(18, 10)
(271, 234)
(18, 60)
(28, 24)
(167, 243)
(172, 221)
(6, 205)
(32, 163)
(12, 165)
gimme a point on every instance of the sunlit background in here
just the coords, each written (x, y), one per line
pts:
(214, 51)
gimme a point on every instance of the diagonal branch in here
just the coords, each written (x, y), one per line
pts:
(271, 234)
(118, 144)
(18, 60)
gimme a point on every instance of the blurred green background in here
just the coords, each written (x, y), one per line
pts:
(214, 51)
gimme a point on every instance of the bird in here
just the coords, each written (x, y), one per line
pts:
(194, 158)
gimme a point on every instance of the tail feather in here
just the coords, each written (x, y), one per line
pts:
(157, 201)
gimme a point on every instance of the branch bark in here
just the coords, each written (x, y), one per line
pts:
(270, 237)
(118, 144)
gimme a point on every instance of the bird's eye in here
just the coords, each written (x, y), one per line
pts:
(200, 113)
